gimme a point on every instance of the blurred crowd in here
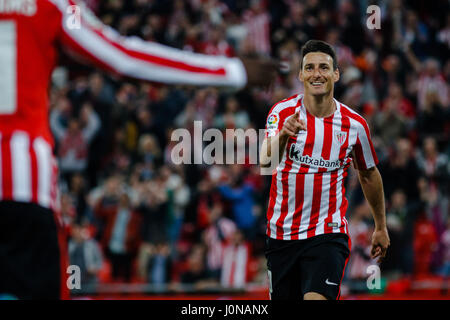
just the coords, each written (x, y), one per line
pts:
(134, 216)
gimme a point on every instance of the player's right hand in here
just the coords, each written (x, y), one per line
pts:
(293, 125)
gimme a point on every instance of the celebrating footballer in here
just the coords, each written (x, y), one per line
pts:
(316, 138)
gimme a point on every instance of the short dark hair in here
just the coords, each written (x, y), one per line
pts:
(318, 46)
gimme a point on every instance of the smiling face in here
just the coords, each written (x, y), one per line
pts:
(317, 74)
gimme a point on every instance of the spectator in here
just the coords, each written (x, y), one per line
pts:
(155, 263)
(343, 53)
(149, 155)
(216, 43)
(434, 216)
(401, 170)
(390, 123)
(216, 236)
(400, 220)
(85, 253)
(431, 81)
(415, 33)
(433, 164)
(257, 20)
(197, 274)
(233, 117)
(154, 205)
(240, 194)
(68, 212)
(424, 245)
(121, 236)
(432, 120)
(119, 159)
(180, 197)
(74, 140)
(235, 267)
(395, 97)
(352, 80)
(360, 233)
(78, 192)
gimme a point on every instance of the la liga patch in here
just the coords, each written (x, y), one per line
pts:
(272, 121)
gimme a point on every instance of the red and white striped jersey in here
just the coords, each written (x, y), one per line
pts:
(307, 194)
(31, 33)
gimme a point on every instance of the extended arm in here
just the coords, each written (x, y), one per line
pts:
(372, 186)
(93, 42)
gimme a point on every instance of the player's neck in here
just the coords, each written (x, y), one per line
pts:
(320, 106)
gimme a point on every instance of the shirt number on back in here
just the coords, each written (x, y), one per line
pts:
(8, 74)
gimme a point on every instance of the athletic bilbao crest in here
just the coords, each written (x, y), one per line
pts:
(340, 137)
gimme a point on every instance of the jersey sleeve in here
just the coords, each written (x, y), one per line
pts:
(89, 40)
(364, 152)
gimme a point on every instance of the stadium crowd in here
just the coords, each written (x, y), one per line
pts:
(135, 216)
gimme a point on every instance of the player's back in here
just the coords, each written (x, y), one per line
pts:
(31, 34)
(28, 51)
(28, 31)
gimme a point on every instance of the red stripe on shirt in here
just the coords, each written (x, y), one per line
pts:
(315, 206)
(344, 204)
(34, 173)
(299, 199)
(310, 137)
(359, 154)
(327, 139)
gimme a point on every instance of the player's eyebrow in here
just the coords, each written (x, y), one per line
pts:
(321, 64)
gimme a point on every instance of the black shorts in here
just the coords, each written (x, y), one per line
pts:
(31, 256)
(296, 267)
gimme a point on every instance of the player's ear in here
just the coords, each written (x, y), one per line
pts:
(336, 75)
(300, 75)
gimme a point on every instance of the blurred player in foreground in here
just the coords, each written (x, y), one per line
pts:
(32, 262)
(317, 138)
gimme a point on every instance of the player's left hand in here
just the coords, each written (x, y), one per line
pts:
(380, 243)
